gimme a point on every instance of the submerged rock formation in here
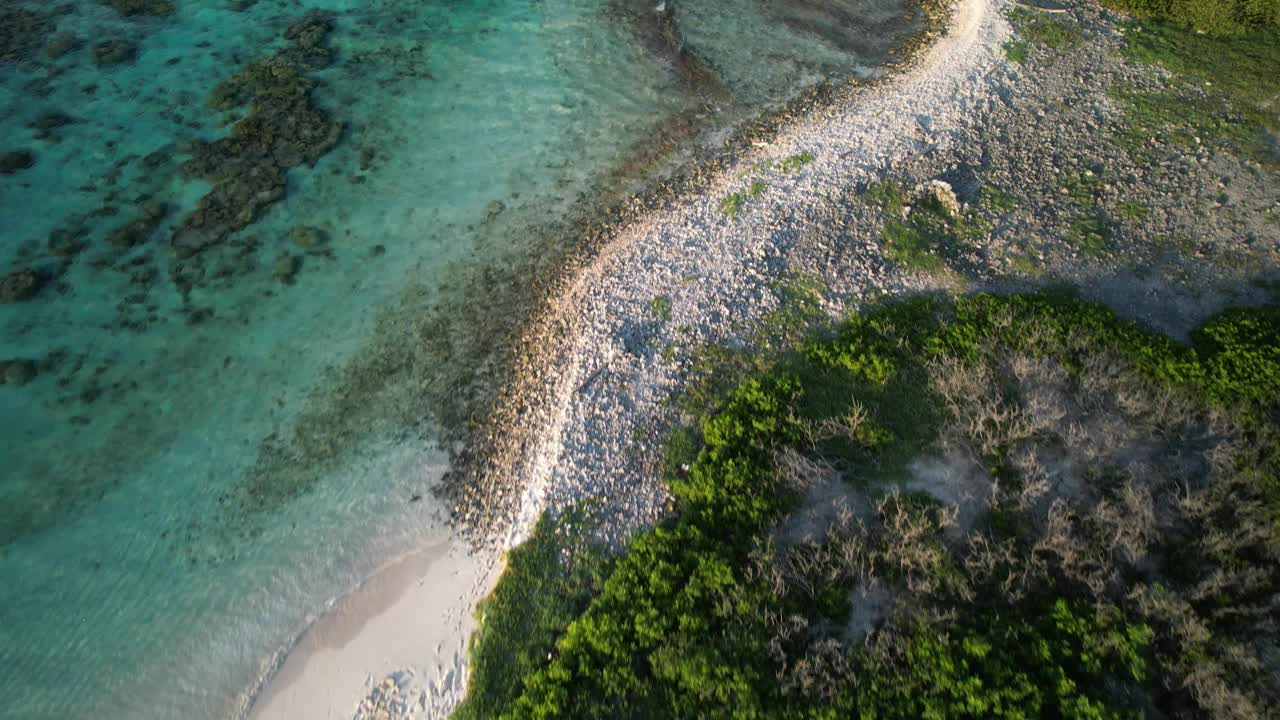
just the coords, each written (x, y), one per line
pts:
(152, 8)
(13, 161)
(284, 129)
(113, 52)
(20, 285)
(17, 371)
(138, 230)
(21, 32)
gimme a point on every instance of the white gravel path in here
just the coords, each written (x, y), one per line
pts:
(612, 403)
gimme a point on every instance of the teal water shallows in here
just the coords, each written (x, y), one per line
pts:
(251, 256)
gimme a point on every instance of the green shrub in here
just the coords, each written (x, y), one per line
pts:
(1016, 51)
(1241, 355)
(548, 582)
(732, 204)
(1037, 663)
(795, 162)
(681, 626)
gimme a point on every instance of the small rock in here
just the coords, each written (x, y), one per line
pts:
(66, 241)
(306, 237)
(113, 52)
(20, 285)
(17, 372)
(139, 229)
(150, 8)
(50, 120)
(287, 267)
(62, 43)
(941, 192)
(15, 160)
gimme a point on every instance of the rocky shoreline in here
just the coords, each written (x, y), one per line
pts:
(590, 401)
(520, 447)
(506, 452)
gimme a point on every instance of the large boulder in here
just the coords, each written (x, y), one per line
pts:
(113, 52)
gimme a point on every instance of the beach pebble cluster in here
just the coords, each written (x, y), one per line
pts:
(395, 697)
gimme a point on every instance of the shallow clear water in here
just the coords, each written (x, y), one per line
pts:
(141, 572)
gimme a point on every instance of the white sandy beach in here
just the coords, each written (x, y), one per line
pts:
(410, 622)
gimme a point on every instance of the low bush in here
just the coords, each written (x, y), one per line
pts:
(1041, 610)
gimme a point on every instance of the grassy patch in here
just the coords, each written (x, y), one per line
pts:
(1132, 212)
(909, 248)
(995, 199)
(1228, 94)
(1090, 236)
(888, 195)
(1026, 264)
(661, 307)
(1084, 190)
(1211, 17)
(1047, 30)
(795, 162)
(1016, 50)
(732, 204)
(930, 233)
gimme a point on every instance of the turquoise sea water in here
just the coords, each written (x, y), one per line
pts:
(199, 451)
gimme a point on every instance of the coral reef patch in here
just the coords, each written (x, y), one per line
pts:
(150, 8)
(284, 129)
(21, 32)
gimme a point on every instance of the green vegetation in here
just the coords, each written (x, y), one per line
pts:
(934, 229)
(1130, 211)
(661, 307)
(1050, 31)
(1088, 232)
(795, 162)
(1016, 50)
(1228, 93)
(1216, 17)
(548, 582)
(1084, 189)
(1091, 236)
(1026, 264)
(909, 248)
(993, 198)
(1000, 667)
(732, 204)
(888, 195)
(1133, 594)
